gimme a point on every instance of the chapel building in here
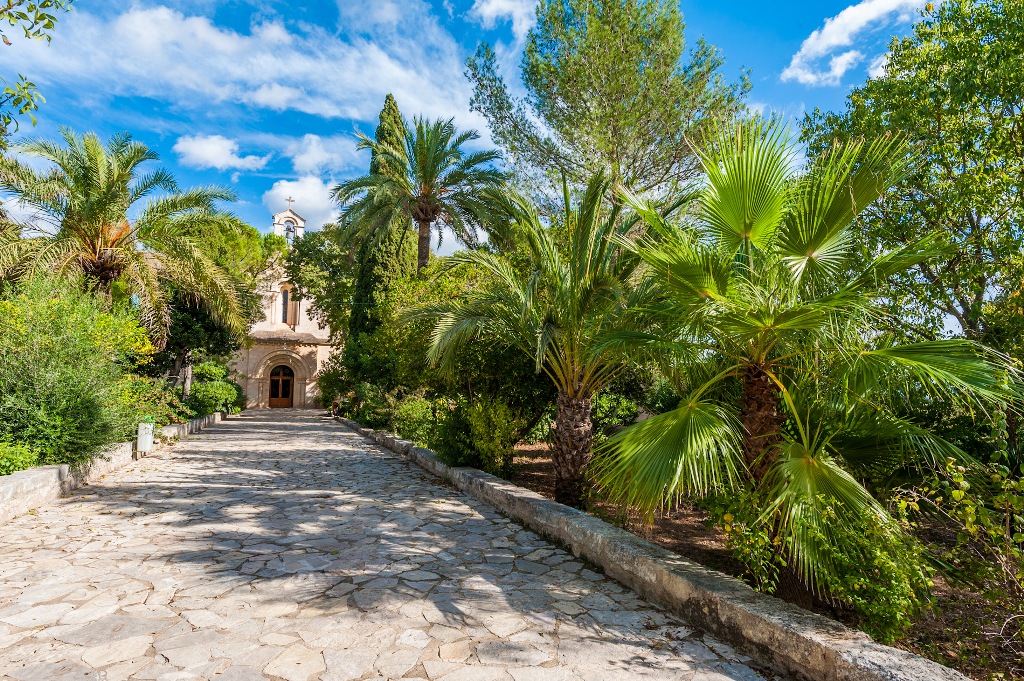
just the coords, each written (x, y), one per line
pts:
(287, 346)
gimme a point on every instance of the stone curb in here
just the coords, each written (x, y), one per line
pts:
(180, 430)
(777, 634)
(32, 488)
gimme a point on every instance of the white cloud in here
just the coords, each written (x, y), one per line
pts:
(522, 14)
(839, 32)
(312, 199)
(159, 52)
(313, 153)
(877, 67)
(215, 151)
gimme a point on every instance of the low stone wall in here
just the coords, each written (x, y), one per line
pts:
(25, 490)
(779, 635)
(180, 430)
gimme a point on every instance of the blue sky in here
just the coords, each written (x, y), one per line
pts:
(265, 96)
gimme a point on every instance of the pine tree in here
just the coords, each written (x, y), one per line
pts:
(380, 265)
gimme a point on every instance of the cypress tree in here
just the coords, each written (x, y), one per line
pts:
(380, 264)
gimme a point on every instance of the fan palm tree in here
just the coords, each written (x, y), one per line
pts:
(438, 184)
(559, 311)
(81, 224)
(767, 289)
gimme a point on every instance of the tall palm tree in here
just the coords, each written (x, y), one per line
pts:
(438, 184)
(767, 289)
(81, 222)
(559, 311)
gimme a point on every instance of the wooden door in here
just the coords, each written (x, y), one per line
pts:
(282, 381)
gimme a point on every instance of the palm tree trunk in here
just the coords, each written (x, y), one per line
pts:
(423, 246)
(762, 430)
(573, 440)
(762, 423)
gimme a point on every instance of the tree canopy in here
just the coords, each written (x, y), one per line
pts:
(610, 88)
(956, 88)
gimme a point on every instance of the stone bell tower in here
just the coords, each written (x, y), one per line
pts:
(288, 223)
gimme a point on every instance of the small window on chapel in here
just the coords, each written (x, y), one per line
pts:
(284, 306)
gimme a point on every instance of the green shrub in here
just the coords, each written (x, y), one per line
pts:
(495, 430)
(453, 436)
(153, 398)
(481, 434)
(63, 357)
(414, 419)
(877, 571)
(662, 397)
(611, 411)
(210, 396)
(206, 372)
(373, 406)
(241, 399)
(874, 569)
(332, 380)
(14, 457)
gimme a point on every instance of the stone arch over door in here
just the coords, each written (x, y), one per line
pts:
(295, 362)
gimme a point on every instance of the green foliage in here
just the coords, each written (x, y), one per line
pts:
(414, 420)
(877, 571)
(332, 380)
(431, 180)
(372, 405)
(481, 434)
(610, 412)
(36, 19)
(17, 99)
(494, 428)
(152, 398)
(211, 391)
(64, 356)
(210, 396)
(83, 227)
(381, 263)
(453, 436)
(601, 76)
(874, 568)
(15, 457)
(770, 275)
(737, 513)
(209, 371)
(322, 265)
(956, 89)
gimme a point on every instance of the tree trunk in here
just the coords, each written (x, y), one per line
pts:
(762, 430)
(186, 381)
(762, 423)
(179, 363)
(573, 436)
(423, 246)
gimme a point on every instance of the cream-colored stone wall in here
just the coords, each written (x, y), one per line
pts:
(252, 367)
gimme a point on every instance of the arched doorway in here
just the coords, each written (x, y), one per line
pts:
(282, 384)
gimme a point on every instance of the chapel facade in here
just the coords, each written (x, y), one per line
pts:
(287, 347)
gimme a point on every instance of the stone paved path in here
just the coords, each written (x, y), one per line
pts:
(279, 545)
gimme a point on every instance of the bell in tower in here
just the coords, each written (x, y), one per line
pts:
(289, 224)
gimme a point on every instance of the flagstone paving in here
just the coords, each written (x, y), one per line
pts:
(279, 545)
